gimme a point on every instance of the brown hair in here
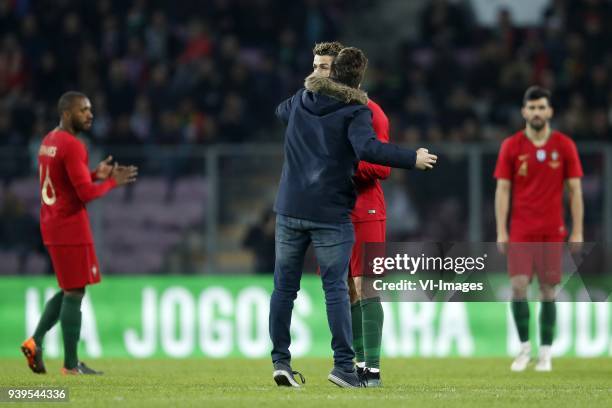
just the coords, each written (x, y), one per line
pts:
(349, 66)
(535, 92)
(331, 49)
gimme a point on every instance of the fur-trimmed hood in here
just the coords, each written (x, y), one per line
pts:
(333, 89)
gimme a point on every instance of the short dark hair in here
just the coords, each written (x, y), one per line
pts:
(67, 100)
(537, 92)
(349, 66)
(328, 49)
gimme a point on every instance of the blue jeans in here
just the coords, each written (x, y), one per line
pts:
(333, 243)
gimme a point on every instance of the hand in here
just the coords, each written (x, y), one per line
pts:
(425, 160)
(502, 242)
(124, 174)
(104, 169)
(575, 242)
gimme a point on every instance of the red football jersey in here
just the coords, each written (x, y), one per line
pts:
(537, 175)
(66, 186)
(370, 204)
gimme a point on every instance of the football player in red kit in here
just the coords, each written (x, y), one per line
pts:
(533, 167)
(67, 185)
(368, 219)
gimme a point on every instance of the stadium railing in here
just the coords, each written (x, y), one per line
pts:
(192, 206)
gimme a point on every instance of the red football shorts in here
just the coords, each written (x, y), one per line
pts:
(541, 254)
(367, 231)
(75, 266)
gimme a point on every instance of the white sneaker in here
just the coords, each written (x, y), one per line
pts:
(522, 360)
(544, 363)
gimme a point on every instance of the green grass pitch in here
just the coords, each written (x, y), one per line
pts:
(476, 382)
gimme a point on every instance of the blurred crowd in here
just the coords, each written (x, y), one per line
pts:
(459, 81)
(187, 72)
(157, 71)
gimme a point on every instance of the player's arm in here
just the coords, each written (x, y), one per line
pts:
(367, 147)
(572, 173)
(75, 162)
(368, 172)
(502, 209)
(574, 189)
(504, 169)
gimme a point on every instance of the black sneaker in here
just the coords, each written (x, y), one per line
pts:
(370, 379)
(284, 376)
(80, 369)
(345, 379)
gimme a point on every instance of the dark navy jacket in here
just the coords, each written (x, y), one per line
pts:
(324, 142)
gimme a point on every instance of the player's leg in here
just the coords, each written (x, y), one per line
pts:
(548, 317)
(291, 244)
(355, 299)
(520, 306)
(32, 347)
(520, 268)
(76, 266)
(70, 321)
(372, 316)
(49, 317)
(372, 320)
(549, 276)
(333, 244)
(520, 312)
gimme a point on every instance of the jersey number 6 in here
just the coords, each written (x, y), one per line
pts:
(47, 186)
